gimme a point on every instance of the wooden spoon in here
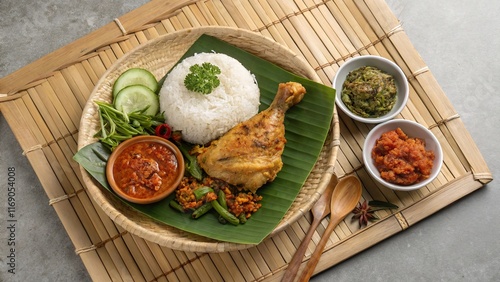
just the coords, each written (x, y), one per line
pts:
(319, 211)
(345, 197)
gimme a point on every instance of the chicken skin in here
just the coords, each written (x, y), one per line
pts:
(249, 155)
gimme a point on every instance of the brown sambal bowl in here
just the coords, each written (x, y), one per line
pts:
(145, 169)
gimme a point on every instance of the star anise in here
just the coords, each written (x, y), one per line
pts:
(365, 212)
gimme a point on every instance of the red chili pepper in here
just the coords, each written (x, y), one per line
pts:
(163, 130)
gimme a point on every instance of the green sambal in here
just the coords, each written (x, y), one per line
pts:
(369, 92)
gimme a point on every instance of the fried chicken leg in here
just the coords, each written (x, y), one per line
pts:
(249, 155)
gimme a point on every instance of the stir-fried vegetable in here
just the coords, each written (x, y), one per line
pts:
(229, 217)
(192, 165)
(228, 203)
(202, 210)
(369, 92)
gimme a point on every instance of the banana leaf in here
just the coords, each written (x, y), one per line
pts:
(306, 125)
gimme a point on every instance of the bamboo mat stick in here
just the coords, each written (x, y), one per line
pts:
(208, 263)
(52, 133)
(254, 255)
(197, 267)
(151, 262)
(174, 22)
(225, 267)
(83, 76)
(295, 36)
(335, 33)
(179, 268)
(194, 15)
(112, 240)
(238, 14)
(258, 24)
(63, 93)
(283, 243)
(325, 32)
(210, 11)
(274, 25)
(34, 133)
(183, 21)
(141, 272)
(309, 38)
(165, 267)
(350, 26)
(219, 6)
(242, 266)
(67, 125)
(193, 19)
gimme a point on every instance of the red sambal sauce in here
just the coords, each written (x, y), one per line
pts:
(402, 160)
(145, 169)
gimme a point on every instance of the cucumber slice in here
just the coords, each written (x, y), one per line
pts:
(137, 97)
(135, 76)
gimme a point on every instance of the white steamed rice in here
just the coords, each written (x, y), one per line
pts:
(203, 118)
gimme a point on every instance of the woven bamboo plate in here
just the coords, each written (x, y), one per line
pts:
(43, 104)
(159, 56)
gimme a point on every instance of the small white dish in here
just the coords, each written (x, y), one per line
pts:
(386, 66)
(413, 130)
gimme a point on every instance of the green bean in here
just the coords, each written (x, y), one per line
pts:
(225, 214)
(242, 217)
(221, 197)
(192, 165)
(221, 219)
(117, 126)
(202, 191)
(203, 209)
(176, 206)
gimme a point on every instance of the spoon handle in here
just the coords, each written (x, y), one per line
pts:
(313, 261)
(296, 261)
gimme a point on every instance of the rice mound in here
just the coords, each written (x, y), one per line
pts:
(203, 118)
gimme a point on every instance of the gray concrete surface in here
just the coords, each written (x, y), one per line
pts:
(458, 39)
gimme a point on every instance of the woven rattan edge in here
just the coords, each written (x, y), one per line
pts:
(196, 243)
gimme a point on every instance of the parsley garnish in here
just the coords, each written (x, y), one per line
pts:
(202, 79)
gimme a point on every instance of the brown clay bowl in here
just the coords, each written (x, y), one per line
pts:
(142, 195)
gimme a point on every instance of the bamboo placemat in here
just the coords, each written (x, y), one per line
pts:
(43, 101)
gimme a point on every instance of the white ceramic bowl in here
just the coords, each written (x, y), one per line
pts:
(382, 64)
(412, 129)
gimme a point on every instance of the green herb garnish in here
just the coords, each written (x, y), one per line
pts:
(202, 79)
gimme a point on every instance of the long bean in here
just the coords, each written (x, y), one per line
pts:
(203, 209)
(175, 205)
(242, 217)
(221, 197)
(225, 214)
(191, 162)
(201, 192)
(117, 126)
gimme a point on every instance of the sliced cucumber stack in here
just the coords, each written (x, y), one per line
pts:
(137, 97)
(134, 90)
(135, 76)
